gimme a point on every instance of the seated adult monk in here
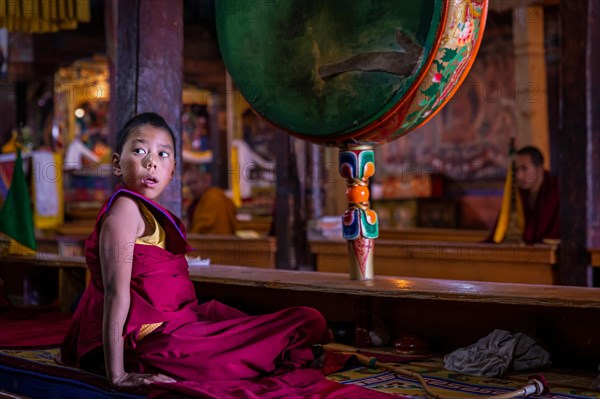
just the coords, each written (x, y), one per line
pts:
(539, 194)
(211, 212)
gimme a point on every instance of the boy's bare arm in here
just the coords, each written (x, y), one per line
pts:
(120, 228)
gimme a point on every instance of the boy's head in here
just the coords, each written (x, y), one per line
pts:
(145, 155)
(147, 118)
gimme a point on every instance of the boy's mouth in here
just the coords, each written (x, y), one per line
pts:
(150, 181)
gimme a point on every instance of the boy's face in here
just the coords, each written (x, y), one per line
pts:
(529, 175)
(147, 162)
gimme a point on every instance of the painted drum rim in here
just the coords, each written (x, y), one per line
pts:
(408, 96)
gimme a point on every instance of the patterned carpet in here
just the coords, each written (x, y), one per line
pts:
(562, 385)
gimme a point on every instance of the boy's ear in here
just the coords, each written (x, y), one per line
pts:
(116, 166)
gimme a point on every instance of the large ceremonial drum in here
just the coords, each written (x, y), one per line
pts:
(351, 74)
(344, 71)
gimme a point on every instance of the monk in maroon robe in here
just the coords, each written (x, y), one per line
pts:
(211, 349)
(539, 193)
(139, 317)
(541, 211)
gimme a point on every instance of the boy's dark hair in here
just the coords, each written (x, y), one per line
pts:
(537, 158)
(147, 118)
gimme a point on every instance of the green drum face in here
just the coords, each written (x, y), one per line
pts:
(334, 71)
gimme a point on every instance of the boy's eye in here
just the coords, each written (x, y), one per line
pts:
(163, 154)
(139, 151)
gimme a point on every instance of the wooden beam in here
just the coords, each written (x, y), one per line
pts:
(573, 140)
(593, 130)
(281, 218)
(530, 79)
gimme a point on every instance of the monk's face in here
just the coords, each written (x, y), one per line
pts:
(529, 175)
(147, 161)
(197, 182)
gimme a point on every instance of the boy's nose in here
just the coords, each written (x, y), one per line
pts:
(150, 162)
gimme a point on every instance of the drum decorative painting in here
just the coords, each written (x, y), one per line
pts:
(350, 74)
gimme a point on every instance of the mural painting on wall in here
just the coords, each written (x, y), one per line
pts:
(468, 139)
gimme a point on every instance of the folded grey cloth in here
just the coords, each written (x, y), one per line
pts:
(496, 353)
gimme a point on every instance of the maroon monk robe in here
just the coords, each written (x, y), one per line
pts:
(214, 350)
(542, 221)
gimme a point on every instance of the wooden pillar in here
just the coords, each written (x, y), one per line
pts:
(574, 146)
(147, 57)
(334, 185)
(221, 168)
(530, 79)
(110, 31)
(281, 218)
(291, 203)
(300, 180)
(593, 130)
(552, 47)
(224, 173)
(314, 181)
(21, 99)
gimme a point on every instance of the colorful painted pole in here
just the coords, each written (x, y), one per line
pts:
(359, 223)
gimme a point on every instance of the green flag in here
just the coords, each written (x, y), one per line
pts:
(16, 218)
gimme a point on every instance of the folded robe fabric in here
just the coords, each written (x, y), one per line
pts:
(496, 353)
(212, 350)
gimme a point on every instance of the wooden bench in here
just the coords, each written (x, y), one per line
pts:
(66, 253)
(232, 250)
(531, 264)
(222, 250)
(595, 256)
(82, 227)
(431, 234)
(447, 313)
(64, 245)
(261, 225)
(72, 273)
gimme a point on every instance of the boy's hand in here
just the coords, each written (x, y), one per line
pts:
(136, 379)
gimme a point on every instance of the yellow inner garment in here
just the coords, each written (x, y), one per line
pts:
(157, 238)
(157, 234)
